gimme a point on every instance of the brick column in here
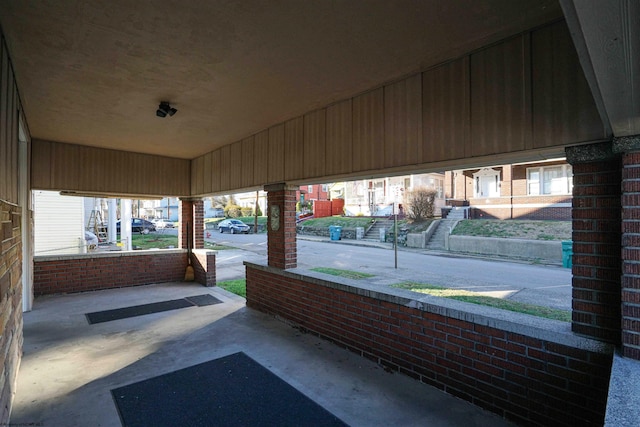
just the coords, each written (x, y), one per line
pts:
(596, 241)
(281, 225)
(630, 286)
(191, 213)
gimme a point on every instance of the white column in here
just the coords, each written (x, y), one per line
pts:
(113, 217)
(125, 224)
(24, 199)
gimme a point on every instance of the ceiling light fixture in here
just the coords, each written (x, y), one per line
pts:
(165, 109)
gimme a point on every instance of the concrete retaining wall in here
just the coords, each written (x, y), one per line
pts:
(420, 240)
(521, 248)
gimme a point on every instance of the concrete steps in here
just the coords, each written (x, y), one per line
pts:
(373, 235)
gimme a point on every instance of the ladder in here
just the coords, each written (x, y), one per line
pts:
(96, 226)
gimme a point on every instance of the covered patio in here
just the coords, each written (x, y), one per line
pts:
(69, 366)
(131, 100)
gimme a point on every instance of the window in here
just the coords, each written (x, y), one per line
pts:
(550, 180)
(439, 186)
(487, 183)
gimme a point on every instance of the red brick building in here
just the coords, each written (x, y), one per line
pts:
(313, 192)
(539, 190)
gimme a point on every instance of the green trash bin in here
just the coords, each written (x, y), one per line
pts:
(567, 254)
(335, 232)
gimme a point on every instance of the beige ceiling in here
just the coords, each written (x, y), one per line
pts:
(94, 72)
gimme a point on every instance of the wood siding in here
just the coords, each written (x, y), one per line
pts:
(9, 116)
(556, 94)
(498, 103)
(57, 166)
(368, 131)
(445, 111)
(314, 143)
(293, 146)
(525, 93)
(403, 122)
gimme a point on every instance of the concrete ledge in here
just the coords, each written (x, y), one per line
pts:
(536, 327)
(624, 393)
(532, 249)
(113, 254)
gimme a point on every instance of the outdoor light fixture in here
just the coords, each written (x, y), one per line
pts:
(165, 109)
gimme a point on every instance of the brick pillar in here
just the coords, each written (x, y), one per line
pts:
(198, 224)
(185, 209)
(630, 286)
(281, 226)
(191, 213)
(597, 226)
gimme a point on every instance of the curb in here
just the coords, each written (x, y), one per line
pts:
(449, 254)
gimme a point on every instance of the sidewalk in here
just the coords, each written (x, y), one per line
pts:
(388, 245)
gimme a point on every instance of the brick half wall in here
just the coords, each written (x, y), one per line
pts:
(90, 272)
(10, 304)
(529, 370)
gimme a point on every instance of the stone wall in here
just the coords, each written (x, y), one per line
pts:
(347, 233)
(10, 304)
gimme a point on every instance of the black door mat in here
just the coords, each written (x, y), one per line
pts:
(202, 300)
(231, 391)
(156, 307)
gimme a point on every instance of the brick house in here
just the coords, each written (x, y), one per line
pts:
(314, 192)
(540, 190)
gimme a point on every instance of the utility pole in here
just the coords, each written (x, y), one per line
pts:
(395, 232)
(255, 212)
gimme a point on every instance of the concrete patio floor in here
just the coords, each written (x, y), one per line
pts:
(69, 366)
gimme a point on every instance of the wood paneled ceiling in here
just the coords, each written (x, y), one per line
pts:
(93, 72)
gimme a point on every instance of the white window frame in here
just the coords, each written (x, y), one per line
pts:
(543, 186)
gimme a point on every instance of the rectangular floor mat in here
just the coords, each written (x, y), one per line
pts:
(232, 391)
(156, 307)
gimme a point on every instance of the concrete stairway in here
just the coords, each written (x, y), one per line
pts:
(457, 213)
(436, 243)
(373, 234)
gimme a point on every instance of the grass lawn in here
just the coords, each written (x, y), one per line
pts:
(238, 287)
(342, 273)
(515, 229)
(477, 298)
(160, 241)
(347, 222)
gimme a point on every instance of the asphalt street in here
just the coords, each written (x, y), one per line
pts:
(531, 283)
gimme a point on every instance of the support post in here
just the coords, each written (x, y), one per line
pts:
(191, 214)
(630, 283)
(281, 225)
(597, 227)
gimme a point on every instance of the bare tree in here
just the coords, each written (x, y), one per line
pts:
(420, 203)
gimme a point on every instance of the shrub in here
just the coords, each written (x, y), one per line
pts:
(420, 203)
(232, 211)
(246, 211)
